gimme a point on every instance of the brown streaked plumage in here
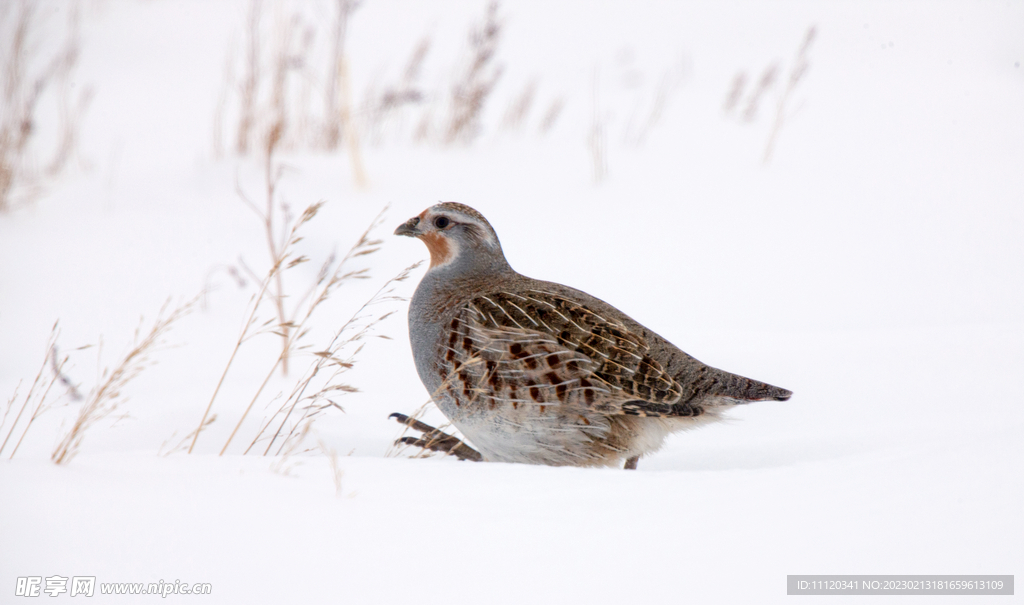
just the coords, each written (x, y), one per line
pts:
(537, 372)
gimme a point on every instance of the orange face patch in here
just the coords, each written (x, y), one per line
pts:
(439, 247)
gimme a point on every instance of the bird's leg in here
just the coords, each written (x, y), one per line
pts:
(631, 463)
(436, 440)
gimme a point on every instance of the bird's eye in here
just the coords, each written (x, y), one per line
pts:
(441, 222)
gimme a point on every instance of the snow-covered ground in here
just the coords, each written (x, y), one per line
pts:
(875, 266)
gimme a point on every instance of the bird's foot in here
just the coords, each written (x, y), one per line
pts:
(631, 463)
(436, 440)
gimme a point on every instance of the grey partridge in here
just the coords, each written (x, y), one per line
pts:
(537, 372)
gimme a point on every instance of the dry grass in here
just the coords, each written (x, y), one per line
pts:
(519, 109)
(250, 85)
(38, 393)
(648, 107)
(598, 143)
(322, 383)
(281, 233)
(166, 449)
(109, 394)
(732, 98)
(471, 91)
(337, 101)
(27, 78)
(285, 462)
(273, 101)
(764, 85)
(382, 107)
(752, 100)
(453, 113)
(308, 60)
(316, 389)
(280, 236)
(647, 114)
(332, 275)
(282, 259)
(597, 139)
(796, 74)
(551, 115)
(337, 473)
(222, 104)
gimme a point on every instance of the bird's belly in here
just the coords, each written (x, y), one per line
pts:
(534, 434)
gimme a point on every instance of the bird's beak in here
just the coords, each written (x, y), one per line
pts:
(409, 228)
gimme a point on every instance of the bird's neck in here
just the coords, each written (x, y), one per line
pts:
(472, 264)
(448, 286)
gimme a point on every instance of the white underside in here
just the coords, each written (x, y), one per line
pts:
(551, 441)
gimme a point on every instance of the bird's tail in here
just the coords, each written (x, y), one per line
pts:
(740, 389)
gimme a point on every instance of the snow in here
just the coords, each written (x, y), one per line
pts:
(875, 267)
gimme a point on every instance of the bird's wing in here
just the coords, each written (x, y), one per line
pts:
(540, 348)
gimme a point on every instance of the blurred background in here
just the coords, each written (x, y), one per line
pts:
(825, 196)
(736, 175)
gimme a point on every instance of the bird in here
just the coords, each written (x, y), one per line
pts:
(536, 372)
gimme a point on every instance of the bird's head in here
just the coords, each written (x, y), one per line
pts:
(456, 236)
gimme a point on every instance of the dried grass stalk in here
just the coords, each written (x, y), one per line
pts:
(732, 98)
(354, 332)
(519, 109)
(471, 91)
(800, 67)
(334, 100)
(331, 277)
(380, 107)
(282, 259)
(110, 394)
(337, 473)
(24, 84)
(32, 392)
(597, 139)
(551, 115)
(765, 84)
(251, 80)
